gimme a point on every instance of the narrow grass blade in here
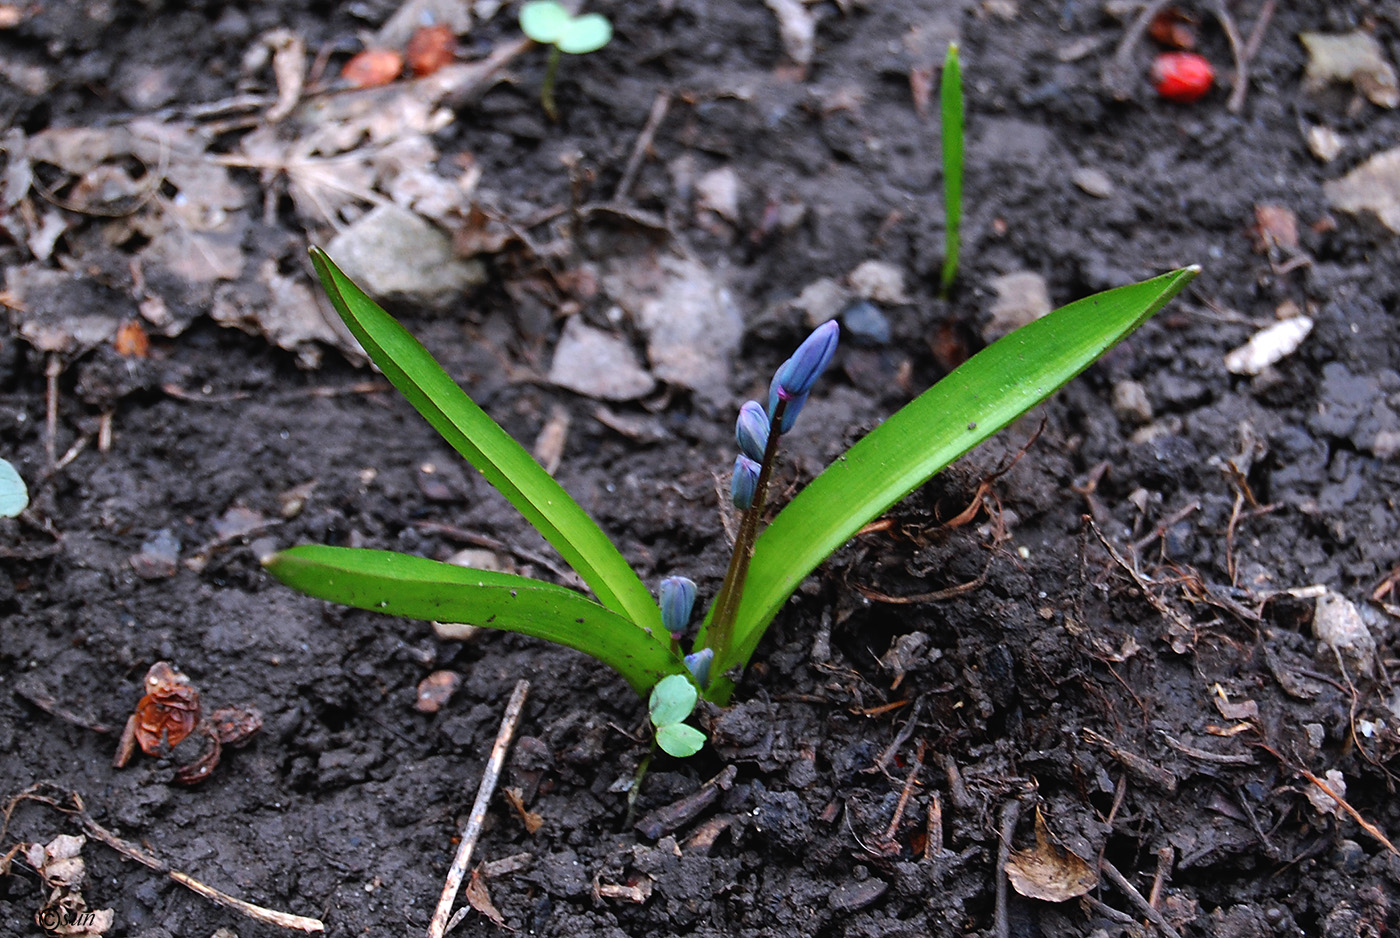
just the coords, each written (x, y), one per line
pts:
(418, 588)
(504, 462)
(951, 105)
(982, 396)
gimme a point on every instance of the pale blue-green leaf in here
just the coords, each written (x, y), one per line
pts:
(14, 494)
(587, 33)
(544, 20)
(672, 699)
(679, 740)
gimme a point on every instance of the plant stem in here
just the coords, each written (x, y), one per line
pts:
(547, 87)
(732, 590)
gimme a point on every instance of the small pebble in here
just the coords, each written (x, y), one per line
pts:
(1093, 181)
(865, 324)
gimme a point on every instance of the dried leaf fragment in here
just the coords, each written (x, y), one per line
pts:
(532, 821)
(372, 68)
(169, 710)
(1355, 57)
(1374, 186)
(480, 899)
(430, 49)
(1044, 872)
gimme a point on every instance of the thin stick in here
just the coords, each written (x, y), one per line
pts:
(472, 830)
(52, 369)
(659, 107)
(1135, 898)
(133, 852)
(1010, 815)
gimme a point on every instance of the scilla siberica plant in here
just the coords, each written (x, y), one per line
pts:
(622, 625)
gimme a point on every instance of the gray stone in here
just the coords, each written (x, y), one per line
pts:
(395, 254)
(599, 365)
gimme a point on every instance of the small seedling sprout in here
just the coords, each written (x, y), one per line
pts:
(951, 101)
(623, 625)
(672, 700)
(549, 23)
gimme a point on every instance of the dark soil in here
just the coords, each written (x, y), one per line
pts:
(1160, 708)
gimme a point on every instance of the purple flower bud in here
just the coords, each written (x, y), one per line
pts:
(677, 600)
(745, 483)
(794, 406)
(752, 430)
(699, 665)
(796, 376)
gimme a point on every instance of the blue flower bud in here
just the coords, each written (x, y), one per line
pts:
(752, 430)
(796, 376)
(745, 483)
(677, 600)
(794, 406)
(699, 665)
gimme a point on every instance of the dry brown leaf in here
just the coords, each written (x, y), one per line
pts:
(1045, 872)
(478, 898)
(372, 68)
(131, 340)
(532, 821)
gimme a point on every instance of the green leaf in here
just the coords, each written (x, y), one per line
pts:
(404, 585)
(505, 463)
(544, 20)
(14, 494)
(679, 740)
(672, 700)
(951, 105)
(587, 33)
(986, 393)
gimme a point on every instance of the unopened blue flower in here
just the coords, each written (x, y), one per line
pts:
(745, 482)
(699, 665)
(790, 412)
(677, 600)
(752, 430)
(796, 376)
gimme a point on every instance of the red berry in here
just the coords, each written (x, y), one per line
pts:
(1182, 76)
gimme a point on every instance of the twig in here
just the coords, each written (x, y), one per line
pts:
(1232, 34)
(1219, 758)
(1251, 49)
(1010, 815)
(1136, 899)
(1366, 825)
(1165, 856)
(52, 369)
(472, 830)
(904, 795)
(133, 852)
(659, 107)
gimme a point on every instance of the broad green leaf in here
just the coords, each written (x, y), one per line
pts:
(418, 588)
(951, 106)
(14, 494)
(672, 700)
(986, 393)
(505, 463)
(587, 33)
(544, 20)
(679, 740)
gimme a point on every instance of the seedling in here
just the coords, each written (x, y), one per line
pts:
(549, 23)
(672, 700)
(950, 95)
(623, 626)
